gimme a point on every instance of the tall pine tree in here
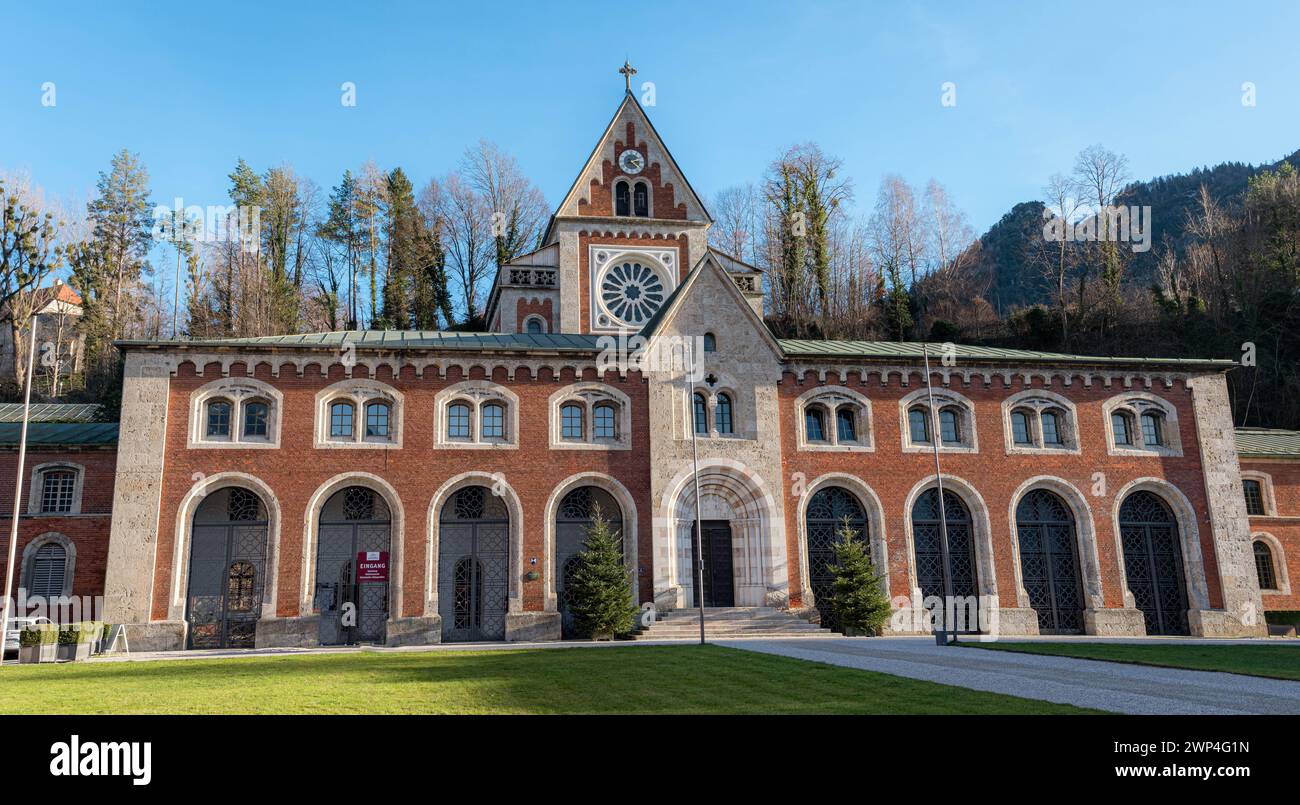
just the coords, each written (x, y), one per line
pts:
(601, 586)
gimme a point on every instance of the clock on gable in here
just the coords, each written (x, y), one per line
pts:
(631, 162)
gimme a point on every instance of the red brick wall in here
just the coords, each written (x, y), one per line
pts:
(1285, 526)
(530, 307)
(88, 530)
(415, 471)
(996, 475)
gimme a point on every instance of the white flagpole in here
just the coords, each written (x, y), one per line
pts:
(18, 494)
(937, 426)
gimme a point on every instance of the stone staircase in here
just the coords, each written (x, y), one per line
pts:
(731, 622)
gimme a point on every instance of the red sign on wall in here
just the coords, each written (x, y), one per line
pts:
(372, 566)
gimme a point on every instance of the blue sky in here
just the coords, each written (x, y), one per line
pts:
(193, 87)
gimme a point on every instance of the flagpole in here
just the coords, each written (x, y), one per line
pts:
(18, 494)
(699, 537)
(942, 635)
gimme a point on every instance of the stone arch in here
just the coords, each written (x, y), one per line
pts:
(184, 531)
(69, 559)
(728, 490)
(311, 524)
(1085, 531)
(625, 501)
(871, 506)
(983, 536)
(514, 595)
(1189, 537)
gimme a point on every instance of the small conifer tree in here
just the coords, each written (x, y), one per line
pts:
(601, 586)
(857, 599)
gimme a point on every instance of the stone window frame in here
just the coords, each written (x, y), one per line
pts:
(239, 392)
(541, 321)
(1133, 404)
(1036, 402)
(1265, 491)
(830, 399)
(69, 558)
(360, 392)
(475, 394)
(36, 487)
(1279, 562)
(943, 399)
(588, 395)
(710, 395)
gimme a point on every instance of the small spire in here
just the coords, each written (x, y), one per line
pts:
(627, 70)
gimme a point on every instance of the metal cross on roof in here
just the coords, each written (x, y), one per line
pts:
(627, 70)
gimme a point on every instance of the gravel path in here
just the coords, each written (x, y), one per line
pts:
(1111, 686)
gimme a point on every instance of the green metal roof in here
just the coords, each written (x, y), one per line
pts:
(50, 412)
(1268, 443)
(51, 434)
(397, 340)
(908, 350)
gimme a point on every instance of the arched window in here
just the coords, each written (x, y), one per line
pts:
(257, 417)
(218, 419)
(1020, 430)
(377, 417)
(1052, 428)
(58, 488)
(533, 326)
(710, 342)
(927, 539)
(846, 424)
(622, 204)
(701, 414)
(341, 416)
(571, 425)
(950, 426)
(918, 425)
(641, 201)
(494, 421)
(830, 510)
(1153, 429)
(1254, 493)
(722, 416)
(47, 571)
(814, 424)
(1264, 566)
(604, 417)
(458, 421)
(1122, 427)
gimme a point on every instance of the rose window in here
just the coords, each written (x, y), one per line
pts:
(632, 292)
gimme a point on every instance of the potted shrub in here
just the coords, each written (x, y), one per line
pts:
(38, 643)
(75, 641)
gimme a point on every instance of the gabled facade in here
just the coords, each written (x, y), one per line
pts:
(413, 487)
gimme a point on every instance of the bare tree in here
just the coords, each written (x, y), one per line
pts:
(516, 208)
(470, 245)
(736, 228)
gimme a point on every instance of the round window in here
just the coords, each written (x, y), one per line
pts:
(631, 292)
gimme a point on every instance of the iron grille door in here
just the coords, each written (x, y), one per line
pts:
(1049, 567)
(224, 601)
(472, 580)
(1153, 564)
(337, 587)
(961, 551)
(827, 512)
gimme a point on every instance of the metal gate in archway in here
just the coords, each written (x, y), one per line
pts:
(227, 570)
(353, 521)
(1153, 563)
(1049, 563)
(828, 512)
(928, 553)
(573, 518)
(473, 565)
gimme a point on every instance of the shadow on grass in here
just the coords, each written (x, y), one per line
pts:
(645, 680)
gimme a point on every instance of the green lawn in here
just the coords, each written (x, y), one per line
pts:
(644, 679)
(1278, 662)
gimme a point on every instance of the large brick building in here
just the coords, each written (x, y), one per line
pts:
(412, 487)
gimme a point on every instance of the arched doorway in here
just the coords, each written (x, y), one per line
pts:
(928, 552)
(572, 519)
(227, 570)
(352, 567)
(827, 511)
(473, 565)
(1049, 562)
(1153, 562)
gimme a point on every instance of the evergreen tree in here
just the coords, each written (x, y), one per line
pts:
(343, 228)
(601, 587)
(404, 227)
(859, 604)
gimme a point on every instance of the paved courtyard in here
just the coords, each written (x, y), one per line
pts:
(1110, 686)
